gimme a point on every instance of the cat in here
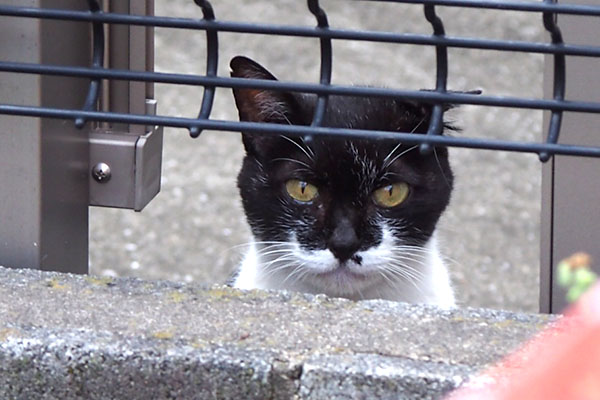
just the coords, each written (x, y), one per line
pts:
(351, 218)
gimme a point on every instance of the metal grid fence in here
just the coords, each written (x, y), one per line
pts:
(96, 72)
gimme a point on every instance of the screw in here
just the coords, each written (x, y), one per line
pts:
(101, 172)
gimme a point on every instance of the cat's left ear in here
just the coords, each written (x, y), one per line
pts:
(259, 105)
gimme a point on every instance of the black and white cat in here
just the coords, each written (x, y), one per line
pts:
(348, 218)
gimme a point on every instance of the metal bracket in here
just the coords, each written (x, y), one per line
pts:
(125, 168)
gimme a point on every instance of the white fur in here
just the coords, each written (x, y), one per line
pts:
(284, 265)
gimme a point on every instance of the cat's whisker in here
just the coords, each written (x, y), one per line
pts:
(406, 273)
(286, 119)
(298, 270)
(286, 260)
(394, 263)
(408, 250)
(300, 147)
(390, 281)
(245, 246)
(283, 265)
(385, 160)
(390, 154)
(400, 155)
(277, 252)
(418, 275)
(308, 148)
(419, 258)
(437, 160)
(418, 125)
(269, 256)
(274, 265)
(402, 262)
(407, 278)
(268, 252)
(294, 161)
(422, 261)
(267, 245)
(270, 242)
(413, 271)
(286, 254)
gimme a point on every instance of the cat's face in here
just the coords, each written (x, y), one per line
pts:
(337, 214)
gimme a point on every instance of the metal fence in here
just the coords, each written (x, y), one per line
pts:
(138, 117)
(557, 105)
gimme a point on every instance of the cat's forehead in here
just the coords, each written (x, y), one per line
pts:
(343, 159)
(356, 150)
(334, 153)
(374, 114)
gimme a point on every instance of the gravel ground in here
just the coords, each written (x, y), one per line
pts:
(193, 230)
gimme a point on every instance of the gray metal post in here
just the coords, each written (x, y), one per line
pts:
(44, 163)
(570, 185)
(130, 47)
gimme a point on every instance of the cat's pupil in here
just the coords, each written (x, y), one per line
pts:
(303, 186)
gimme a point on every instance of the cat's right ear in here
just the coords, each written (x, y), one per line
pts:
(254, 105)
(259, 105)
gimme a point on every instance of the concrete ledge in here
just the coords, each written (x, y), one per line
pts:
(64, 336)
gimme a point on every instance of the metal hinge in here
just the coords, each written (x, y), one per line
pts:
(126, 168)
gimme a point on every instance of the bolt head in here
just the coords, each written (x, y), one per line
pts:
(101, 173)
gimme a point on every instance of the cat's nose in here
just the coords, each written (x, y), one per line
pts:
(344, 242)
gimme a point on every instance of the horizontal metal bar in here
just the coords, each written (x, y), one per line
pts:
(305, 31)
(528, 6)
(296, 130)
(364, 91)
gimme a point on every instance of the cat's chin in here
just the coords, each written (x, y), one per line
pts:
(342, 280)
(342, 271)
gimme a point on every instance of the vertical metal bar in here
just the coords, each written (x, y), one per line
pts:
(137, 62)
(44, 173)
(128, 50)
(571, 185)
(149, 49)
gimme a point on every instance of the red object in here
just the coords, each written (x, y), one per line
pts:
(561, 362)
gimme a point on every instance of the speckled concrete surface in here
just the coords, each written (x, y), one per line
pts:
(369, 376)
(195, 230)
(67, 336)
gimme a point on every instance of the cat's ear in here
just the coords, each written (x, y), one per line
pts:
(260, 105)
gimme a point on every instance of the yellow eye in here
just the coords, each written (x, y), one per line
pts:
(391, 195)
(301, 191)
